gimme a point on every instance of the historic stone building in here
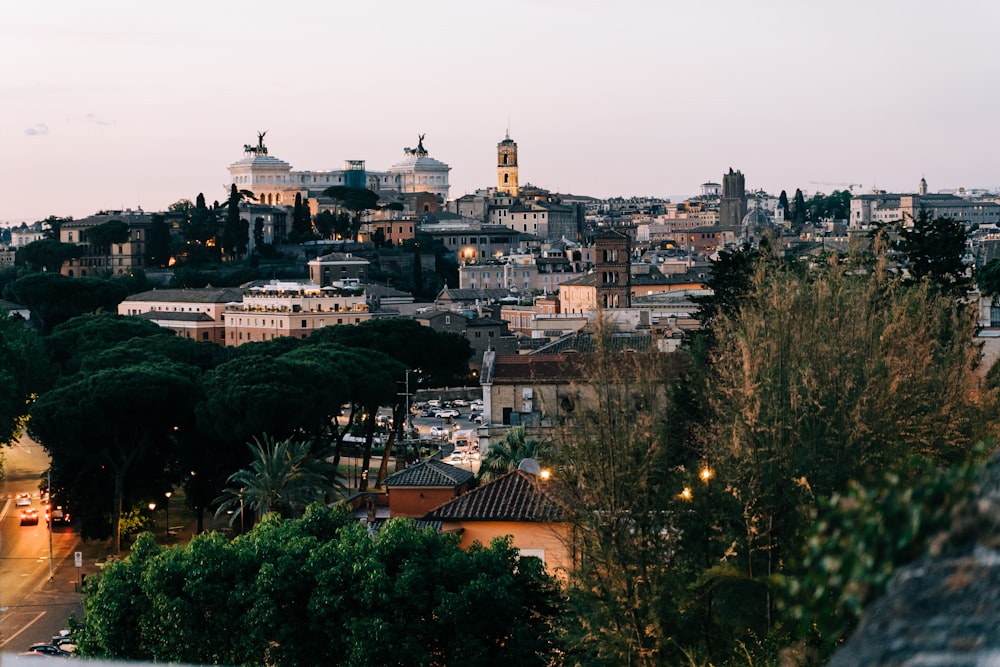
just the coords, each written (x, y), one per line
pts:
(733, 204)
(507, 166)
(273, 182)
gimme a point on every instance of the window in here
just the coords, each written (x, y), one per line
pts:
(303, 324)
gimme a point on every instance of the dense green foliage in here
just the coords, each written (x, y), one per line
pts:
(321, 591)
(54, 299)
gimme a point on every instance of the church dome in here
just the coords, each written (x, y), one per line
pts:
(756, 217)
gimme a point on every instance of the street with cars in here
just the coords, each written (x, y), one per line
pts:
(38, 593)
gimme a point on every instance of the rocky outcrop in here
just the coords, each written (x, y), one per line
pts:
(945, 608)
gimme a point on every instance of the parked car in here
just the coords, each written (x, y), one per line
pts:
(460, 402)
(480, 418)
(49, 649)
(476, 405)
(29, 517)
(439, 432)
(434, 403)
(446, 413)
(22, 500)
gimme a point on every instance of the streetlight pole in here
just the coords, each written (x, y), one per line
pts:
(152, 516)
(166, 508)
(48, 482)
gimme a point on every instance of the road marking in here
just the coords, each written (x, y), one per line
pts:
(26, 626)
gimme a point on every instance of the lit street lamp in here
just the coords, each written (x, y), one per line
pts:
(166, 508)
(152, 516)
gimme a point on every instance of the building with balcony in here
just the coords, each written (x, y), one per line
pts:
(285, 308)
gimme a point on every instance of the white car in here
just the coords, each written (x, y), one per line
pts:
(439, 432)
(444, 414)
(476, 405)
(23, 500)
(458, 402)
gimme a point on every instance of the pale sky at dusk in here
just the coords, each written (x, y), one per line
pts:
(110, 104)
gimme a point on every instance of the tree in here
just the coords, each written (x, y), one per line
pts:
(234, 232)
(72, 422)
(987, 278)
(283, 477)
(356, 200)
(24, 372)
(621, 471)
(933, 250)
(202, 222)
(158, 242)
(325, 222)
(53, 298)
(46, 255)
(71, 342)
(253, 395)
(101, 237)
(301, 224)
(783, 203)
(828, 377)
(483, 606)
(798, 209)
(506, 454)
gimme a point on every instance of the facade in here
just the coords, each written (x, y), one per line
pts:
(190, 313)
(519, 504)
(338, 267)
(273, 182)
(472, 241)
(24, 234)
(612, 270)
(284, 308)
(880, 208)
(119, 258)
(417, 489)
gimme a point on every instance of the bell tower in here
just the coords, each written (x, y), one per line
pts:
(507, 166)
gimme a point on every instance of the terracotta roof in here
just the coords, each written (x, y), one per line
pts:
(429, 473)
(516, 496)
(540, 367)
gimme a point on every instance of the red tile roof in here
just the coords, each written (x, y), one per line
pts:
(516, 496)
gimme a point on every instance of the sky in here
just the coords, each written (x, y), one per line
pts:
(112, 104)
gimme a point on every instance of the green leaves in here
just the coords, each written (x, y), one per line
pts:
(321, 590)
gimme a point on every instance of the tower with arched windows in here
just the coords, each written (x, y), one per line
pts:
(507, 166)
(612, 265)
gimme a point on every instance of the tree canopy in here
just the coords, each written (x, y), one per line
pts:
(403, 596)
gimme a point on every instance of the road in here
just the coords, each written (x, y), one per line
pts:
(35, 601)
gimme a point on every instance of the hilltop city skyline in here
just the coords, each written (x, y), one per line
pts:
(115, 106)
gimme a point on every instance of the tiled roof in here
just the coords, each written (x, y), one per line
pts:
(194, 295)
(539, 368)
(516, 496)
(172, 316)
(586, 342)
(429, 473)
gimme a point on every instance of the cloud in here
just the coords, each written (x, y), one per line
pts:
(37, 129)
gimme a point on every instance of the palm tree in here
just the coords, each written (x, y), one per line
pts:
(283, 477)
(507, 453)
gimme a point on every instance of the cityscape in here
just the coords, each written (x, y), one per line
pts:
(557, 334)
